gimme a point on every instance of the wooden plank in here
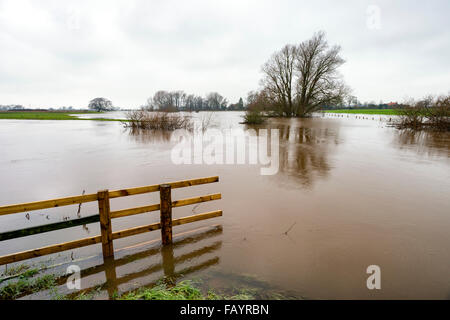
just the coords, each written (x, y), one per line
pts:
(157, 226)
(197, 217)
(95, 218)
(165, 193)
(133, 211)
(156, 207)
(136, 230)
(193, 182)
(105, 223)
(185, 202)
(133, 191)
(154, 188)
(48, 227)
(30, 206)
(49, 250)
(98, 239)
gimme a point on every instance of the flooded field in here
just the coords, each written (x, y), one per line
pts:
(350, 192)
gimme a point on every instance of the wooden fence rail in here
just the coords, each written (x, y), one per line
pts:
(105, 215)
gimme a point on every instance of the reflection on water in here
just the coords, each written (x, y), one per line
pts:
(184, 259)
(187, 255)
(303, 150)
(423, 142)
(148, 136)
(304, 153)
(188, 259)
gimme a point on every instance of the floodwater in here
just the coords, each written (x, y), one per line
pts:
(349, 193)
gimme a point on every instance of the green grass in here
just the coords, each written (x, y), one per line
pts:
(186, 290)
(14, 270)
(392, 112)
(26, 284)
(49, 115)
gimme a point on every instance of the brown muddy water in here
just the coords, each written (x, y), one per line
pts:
(349, 193)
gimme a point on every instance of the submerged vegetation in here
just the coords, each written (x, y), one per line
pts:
(14, 270)
(190, 290)
(26, 283)
(429, 113)
(253, 117)
(151, 120)
(228, 287)
(183, 290)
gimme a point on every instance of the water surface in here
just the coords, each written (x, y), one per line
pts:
(350, 192)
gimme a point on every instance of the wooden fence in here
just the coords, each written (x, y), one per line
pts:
(105, 215)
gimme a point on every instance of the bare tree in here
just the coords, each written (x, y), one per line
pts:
(215, 101)
(190, 102)
(167, 101)
(199, 103)
(162, 100)
(259, 101)
(301, 79)
(178, 98)
(279, 80)
(101, 104)
(319, 82)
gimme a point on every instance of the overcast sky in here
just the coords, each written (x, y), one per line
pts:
(64, 53)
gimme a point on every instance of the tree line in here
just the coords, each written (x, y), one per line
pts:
(180, 101)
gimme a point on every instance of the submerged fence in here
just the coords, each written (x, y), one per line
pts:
(105, 215)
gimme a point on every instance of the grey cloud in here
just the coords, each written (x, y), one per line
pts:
(57, 53)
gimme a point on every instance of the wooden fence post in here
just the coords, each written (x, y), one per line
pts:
(168, 261)
(105, 223)
(111, 276)
(166, 213)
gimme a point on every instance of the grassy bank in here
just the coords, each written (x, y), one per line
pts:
(184, 290)
(48, 115)
(390, 112)
(188, 290)
(25, 283)
(23, 280)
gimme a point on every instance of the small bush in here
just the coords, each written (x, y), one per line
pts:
(253, 117)
(150, 120)
(429, 113)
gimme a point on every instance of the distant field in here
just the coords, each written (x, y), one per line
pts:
(32, 115)
(392, 112)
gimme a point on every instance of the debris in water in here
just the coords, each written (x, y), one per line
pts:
(79, 206)
(195, 207)
(290, 228)
(86, 228)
